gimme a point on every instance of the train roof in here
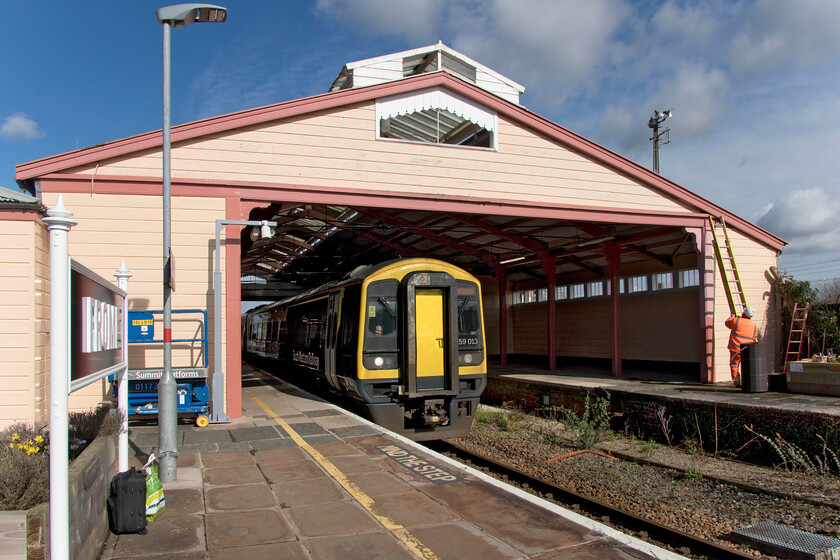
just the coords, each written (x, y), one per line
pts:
(355, 276)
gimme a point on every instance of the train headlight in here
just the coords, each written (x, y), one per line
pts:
(381, 361)
(468, 358)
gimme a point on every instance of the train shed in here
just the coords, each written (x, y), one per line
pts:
(583, 254)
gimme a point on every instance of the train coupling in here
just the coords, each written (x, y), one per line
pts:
(433, 413)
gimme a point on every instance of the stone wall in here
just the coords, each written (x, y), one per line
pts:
(712, 426)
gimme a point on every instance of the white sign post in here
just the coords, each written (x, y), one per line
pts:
(59, 224)
(122, 384)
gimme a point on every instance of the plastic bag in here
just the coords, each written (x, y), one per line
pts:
(155, 501)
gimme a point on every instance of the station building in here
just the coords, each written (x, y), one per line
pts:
(584, 255)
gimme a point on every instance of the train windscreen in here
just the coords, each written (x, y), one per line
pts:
(469, 316)
(381, 317)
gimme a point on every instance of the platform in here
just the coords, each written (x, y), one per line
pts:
(668, 385)
(298, 478)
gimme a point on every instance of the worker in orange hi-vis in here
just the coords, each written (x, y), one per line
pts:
(744, 331)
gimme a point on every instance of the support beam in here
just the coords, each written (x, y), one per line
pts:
(502, 233)
(613, 254)
(549, 264)
(442, 240)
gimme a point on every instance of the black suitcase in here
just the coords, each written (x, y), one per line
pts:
(127, 503)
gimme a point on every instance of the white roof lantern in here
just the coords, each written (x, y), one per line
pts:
(434, 58)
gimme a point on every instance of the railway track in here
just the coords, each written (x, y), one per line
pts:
(655, 532)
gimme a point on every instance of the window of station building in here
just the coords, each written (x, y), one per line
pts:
(577, 291)
(428, 62)
(436, 116)
(525, 296)
(561, 292)
(662, 281)
(689, 278)
(595, 289)
(637, 284)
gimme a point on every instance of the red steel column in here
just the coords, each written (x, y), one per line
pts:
(613, 254)
(549, 265)
(233, 312)
(501, 276)
(706, 269)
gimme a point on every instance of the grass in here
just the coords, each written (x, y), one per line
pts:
(503, 420)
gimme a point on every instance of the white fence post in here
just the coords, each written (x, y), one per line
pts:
(122, 378)
(59, 224)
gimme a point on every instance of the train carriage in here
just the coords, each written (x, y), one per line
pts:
(404, 337)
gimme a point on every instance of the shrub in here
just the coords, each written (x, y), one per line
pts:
(24, 455)
(593, 423)
(24, 467)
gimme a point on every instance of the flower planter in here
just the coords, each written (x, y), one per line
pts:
(814, 378)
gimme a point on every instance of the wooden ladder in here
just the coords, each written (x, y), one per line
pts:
(728, 269)
(797, 333)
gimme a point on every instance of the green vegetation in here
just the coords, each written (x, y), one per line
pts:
(794, 458)
(592, 425)
(25, 461)
(691, 474)
(822, 324)
(503, 420)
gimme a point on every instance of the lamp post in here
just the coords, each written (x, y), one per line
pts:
(654, 122)
(217, 413)
(178, 16)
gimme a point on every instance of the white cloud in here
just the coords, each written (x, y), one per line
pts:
(20, 127)
(779, 32)
(699, 95)
(696, 24)
(807, 218)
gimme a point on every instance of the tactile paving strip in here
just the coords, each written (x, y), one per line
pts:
(786, 542)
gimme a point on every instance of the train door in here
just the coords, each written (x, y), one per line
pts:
(431, 333)
(430, 337)
(333, 308)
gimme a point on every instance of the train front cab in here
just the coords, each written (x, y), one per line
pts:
(431, 389)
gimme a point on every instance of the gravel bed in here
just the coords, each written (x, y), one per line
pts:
(697, 494)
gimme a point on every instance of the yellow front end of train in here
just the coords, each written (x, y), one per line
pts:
(422, 362)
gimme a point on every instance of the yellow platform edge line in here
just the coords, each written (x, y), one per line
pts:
(411, 542)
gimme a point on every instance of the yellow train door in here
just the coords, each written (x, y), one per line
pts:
(431, 343)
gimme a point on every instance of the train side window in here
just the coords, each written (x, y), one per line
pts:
(349, 319)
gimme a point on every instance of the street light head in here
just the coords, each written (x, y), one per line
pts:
(266, 230)
(670, 112)
(181, 15)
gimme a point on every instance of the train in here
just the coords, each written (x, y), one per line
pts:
(404, 339)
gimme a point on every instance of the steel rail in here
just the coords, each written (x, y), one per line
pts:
(656, 531)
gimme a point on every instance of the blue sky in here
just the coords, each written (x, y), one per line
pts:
(755, 84)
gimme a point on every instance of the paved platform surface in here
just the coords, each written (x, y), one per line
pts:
(670, 385)
(297, 478)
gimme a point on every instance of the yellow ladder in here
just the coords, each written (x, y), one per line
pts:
(797, 333)
(728, 269)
